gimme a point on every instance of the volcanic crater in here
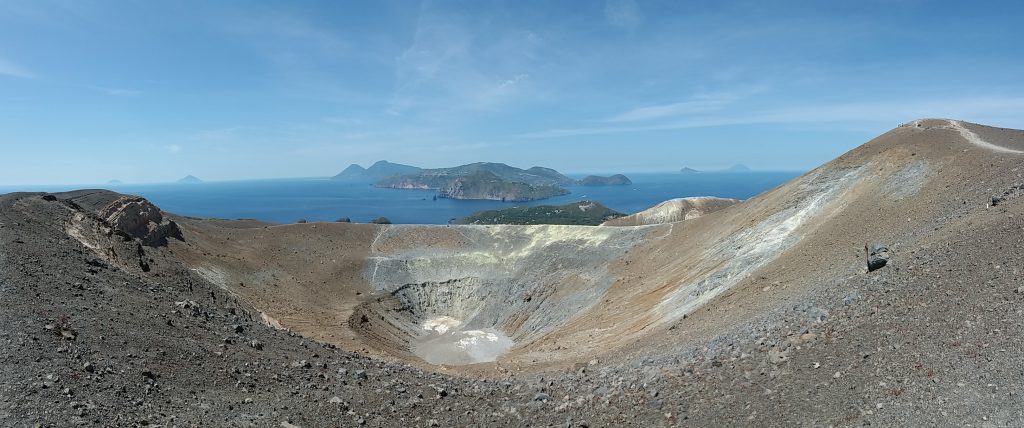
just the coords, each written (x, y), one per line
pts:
(762, 310)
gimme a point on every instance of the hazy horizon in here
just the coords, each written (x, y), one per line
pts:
(150, 92)
(571, 174)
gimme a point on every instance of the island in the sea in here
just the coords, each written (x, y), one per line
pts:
(378, 171)
(480, 180)
(585, 213)
(486, 185)
(597, 180)
(484, 180)
(190, 179)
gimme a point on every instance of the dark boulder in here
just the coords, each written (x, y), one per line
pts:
(877, 256)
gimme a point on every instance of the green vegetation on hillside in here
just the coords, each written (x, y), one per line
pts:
(439, 177)
(585, 213)
(485, 185)
(597, 180)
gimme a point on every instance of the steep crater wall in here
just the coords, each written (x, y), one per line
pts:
(475, 286)
(469, 286)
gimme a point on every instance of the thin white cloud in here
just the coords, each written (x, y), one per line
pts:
(119, 92)
(508, 84)
(343, 120)
(283, 36)
(11, 69)
(216, 134)
(323, 38)
(622, 13)
(454, 65)
(988, 110)
(462, 147)
(438, 49)
(374, 144)
(697, 104)
(506, 90)
(173, 149)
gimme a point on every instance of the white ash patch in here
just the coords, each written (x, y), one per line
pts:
(441, 325)
(444, 343)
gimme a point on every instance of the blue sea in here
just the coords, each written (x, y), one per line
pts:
(323, 199)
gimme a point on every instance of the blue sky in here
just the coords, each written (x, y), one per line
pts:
(148, 91)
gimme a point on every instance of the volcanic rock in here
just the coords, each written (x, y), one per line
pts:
(138, 218)
(877, 256)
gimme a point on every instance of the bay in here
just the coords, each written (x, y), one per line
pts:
(324, 199)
